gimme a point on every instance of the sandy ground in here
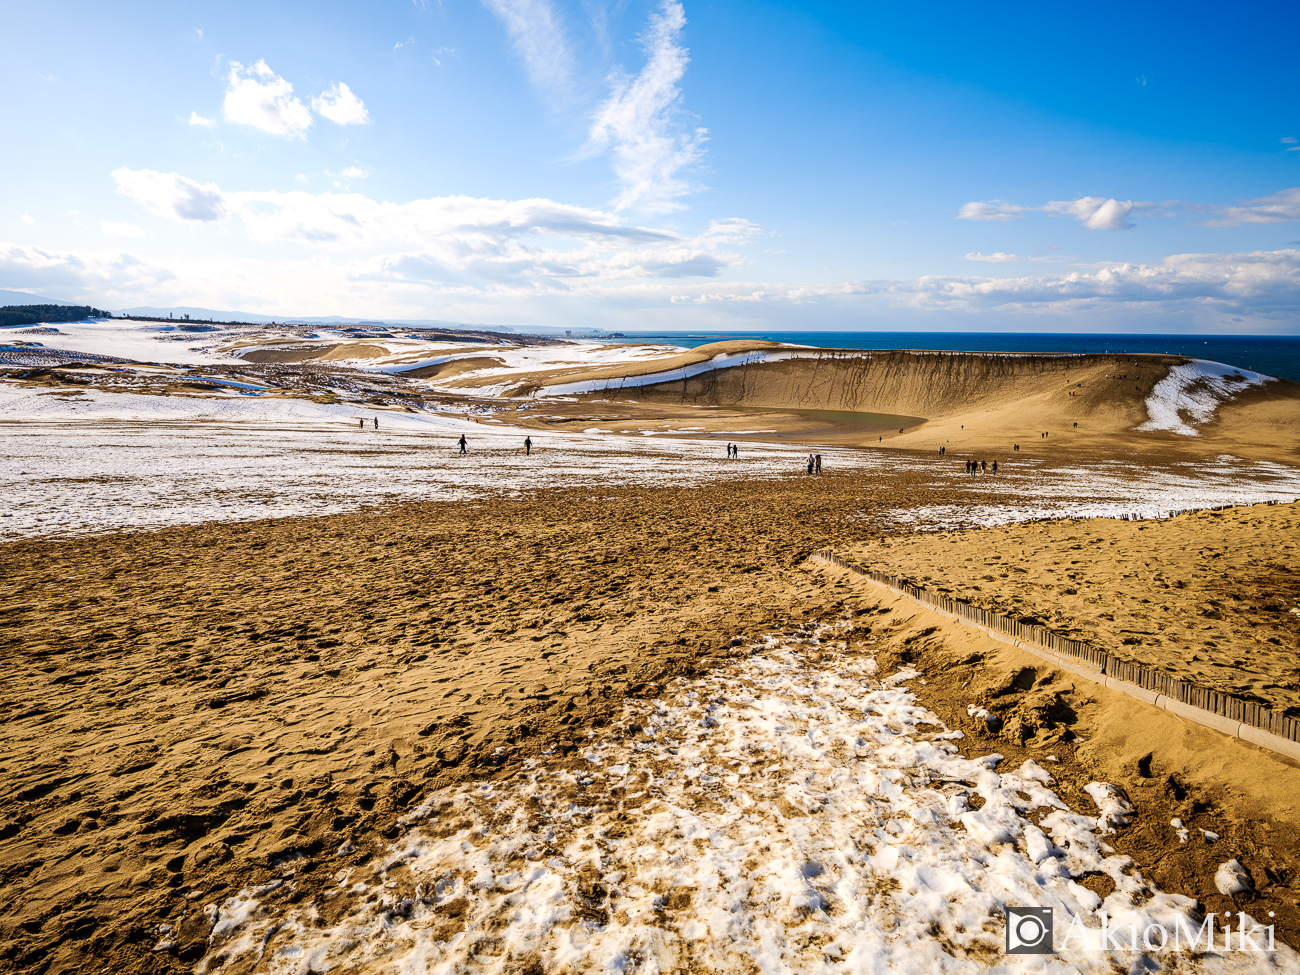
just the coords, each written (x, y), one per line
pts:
(189, 710)
(188, 705)
(1211, 595)
(226, 731)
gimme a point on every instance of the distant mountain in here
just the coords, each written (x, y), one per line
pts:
(212, 314)
(203, 314)
(26, 298)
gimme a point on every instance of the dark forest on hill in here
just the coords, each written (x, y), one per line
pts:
(33, 314)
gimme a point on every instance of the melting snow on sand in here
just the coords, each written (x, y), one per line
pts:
(1195, 390)
(788, 813)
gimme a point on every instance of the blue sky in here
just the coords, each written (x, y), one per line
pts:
(661, 165)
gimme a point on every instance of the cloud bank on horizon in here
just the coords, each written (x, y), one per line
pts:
(644, 165)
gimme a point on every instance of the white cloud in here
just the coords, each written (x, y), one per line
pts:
(1262, 283)
(257, 96)
(999, 210)
(538, 38)
(1289, 139)
(110, 273)
(455, 237)
(171, 195)
(1094, 212)
(197, 119)
(338, 104)
(26, 218)
(1103, 213)
(354, 172)
(1281, 207)
(997, 257)
(121, 229)
(641, 124)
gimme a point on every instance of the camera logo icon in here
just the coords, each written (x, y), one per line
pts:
(1029, 930)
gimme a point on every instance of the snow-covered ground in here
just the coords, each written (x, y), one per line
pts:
(788, 813)
(86, 461)
(119, 455)
(73, 478)
(1108, 489)
(192, 343)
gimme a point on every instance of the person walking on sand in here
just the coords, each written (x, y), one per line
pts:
(376, 423)
(462, 444)
(362, 421)
(819, 463)
(810, 463)
(984, 467)
(528, 446)
(995, 467)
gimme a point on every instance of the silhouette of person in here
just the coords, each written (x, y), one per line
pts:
(462, 444)
(528, 445)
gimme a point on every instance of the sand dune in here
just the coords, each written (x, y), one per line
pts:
(988, 401)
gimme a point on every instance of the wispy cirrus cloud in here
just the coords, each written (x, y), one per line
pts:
(1107, 213)
(1094, 212)
(1280, 207)
(203, 121)
(1000, 257)
(999, 211)
(257, 96)
(539, 39)
(642, 125)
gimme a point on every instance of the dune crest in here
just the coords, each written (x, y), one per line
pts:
(1011, 394)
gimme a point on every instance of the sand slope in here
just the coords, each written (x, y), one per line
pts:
(1211, 596)
(988, 401)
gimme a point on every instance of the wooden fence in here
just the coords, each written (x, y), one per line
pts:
(1221, 710)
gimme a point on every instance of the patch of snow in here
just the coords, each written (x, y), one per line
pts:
(1114, 808)
(776, 815)
(1189, 395)
(1231, 878)
(726, 360)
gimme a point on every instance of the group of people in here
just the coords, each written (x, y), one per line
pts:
(814, 463)
(980, 467)
(733, 450)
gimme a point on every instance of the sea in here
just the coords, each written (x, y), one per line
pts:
(1272, 355)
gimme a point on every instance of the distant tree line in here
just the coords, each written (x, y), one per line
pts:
(32, 314)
